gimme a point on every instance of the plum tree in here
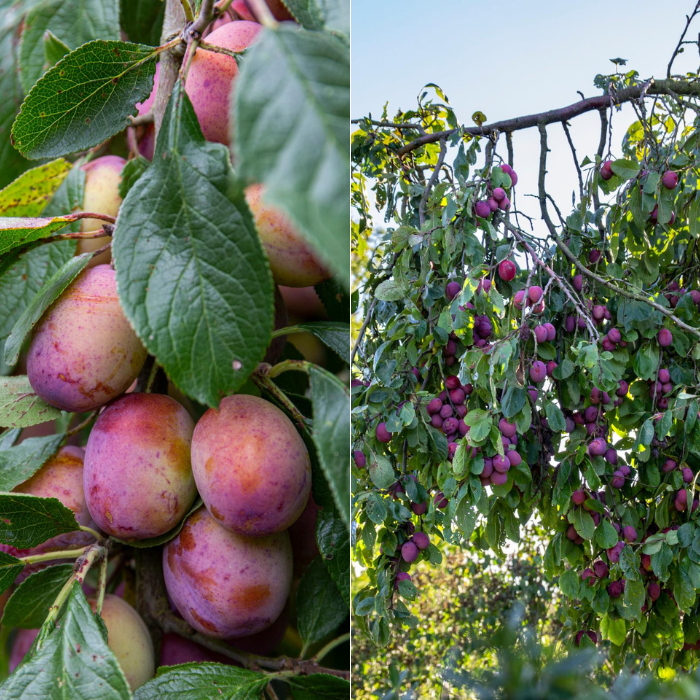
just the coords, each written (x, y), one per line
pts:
(101, 195)
(211, 78)
(251, 467)
(84, 352)
(293, 261)
(224, 584)
(129, 639)
(138, 474)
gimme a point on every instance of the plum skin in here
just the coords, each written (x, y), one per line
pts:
(293, 261)
(224, 584)
(101, 196)
(250, 465)
(129, 640)
(84, 352)
(211, 78)
(138, 477)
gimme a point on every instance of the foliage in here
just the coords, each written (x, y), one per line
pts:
(194, 282)
(562, 356)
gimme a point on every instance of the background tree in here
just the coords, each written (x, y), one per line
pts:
(134, 258)
(509, 368)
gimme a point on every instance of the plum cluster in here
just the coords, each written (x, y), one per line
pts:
(497, 196)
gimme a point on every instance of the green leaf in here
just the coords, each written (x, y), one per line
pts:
(331, 434)
(335, 300)
(142, 20)
(333, 541)
(319, 686)
(635, 595)
(514, 399)
(10, 569)
(54, 49)
(73, 661)
(19, 232)
(331, 333)
(320, 607)
(26, 521)
(29, 605)
(390, 290)
(195, 681)
(20, 407)
(31, 191)
(333, 15)
(626, 169)
(21, 462)
(132, 171)
(605, 535)
(51, 290)
(292, 112)
(581, 519)
(191, 272)
(381, 471)
(555, 418)
(73, 22)
(84, 99)
(613, 629)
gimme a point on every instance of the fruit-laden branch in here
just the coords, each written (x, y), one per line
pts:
(575, 261)
(589, 104)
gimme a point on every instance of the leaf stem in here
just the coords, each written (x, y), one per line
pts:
(94, 533)
(101, 584)
(331, 645)
(61, 554)
(187, 9)
(81, 425)
(288, 366)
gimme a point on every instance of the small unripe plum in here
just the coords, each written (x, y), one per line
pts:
(138, 476)
(225, 584)
(251, 467)
(421, 540)
(359, 459)
(615, 589)
(535, 293)
(665, 337)
(579, 497)
(293, 261)
(507, 270)
(541, 334)
(577, 283)
(538, 371)
(434, 406)
(629, 533)
(597, 447)
(409, 552)
(600, 568)
(84, 352)
(383, 435)
(653, 590)
(419, 508)
(482, 210)
(507, 429)
(100, 196)
(211, 77)
(452, 290)
(669, 179)
(499, 194)
(501, 464)
(129, 640)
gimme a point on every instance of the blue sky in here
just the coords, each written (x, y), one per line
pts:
(512, 58)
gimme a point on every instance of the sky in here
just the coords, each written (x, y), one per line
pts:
(512, 58)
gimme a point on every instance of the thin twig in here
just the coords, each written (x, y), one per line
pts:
(362, 330)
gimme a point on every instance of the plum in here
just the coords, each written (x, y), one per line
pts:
(606, 171)
(507, 429)
(211, 78)
(577, 283)
(501, 464)
(359, 458)
(409, 552)
(669, 180)
(84, 352)
(534, 294)
(513, 457)
(251, 467)
(653, 590)
(138, 475)
(669, 465)
(452, 290)
(421, 540)
(538, 371)
(434, 406)
(419, 508)
(597, 447)
(504, 204)
(440, 500)
(482, 209)
(499, 478)
(101, 196)
(293, 261)
(276, 7)
(541, 334)
(615, 589)
(665, 337)
(629, 533)
(226, 584)
(401, 576)
(687, 474)
(519, 298)
(499, 194)
(175, 650)
(507, 270)
(383, 435)
(614, 552)
(551, 331)
(601, 570)
(594, 256)
(579, 497)
(452, 382)
(129, 640)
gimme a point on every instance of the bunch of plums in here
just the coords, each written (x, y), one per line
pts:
(498, 197)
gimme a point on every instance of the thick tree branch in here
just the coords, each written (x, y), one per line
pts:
(590, 104)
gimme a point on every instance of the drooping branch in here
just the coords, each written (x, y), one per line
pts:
(575, 261)
(589, 104)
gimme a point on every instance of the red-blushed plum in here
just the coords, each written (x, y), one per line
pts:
(20, 647)
(84, 352)
(211, 77)
(267, 640)
(138, 478)
(252, 469)
(129, 640)
(293, 261)
(225, 584)
(101, 196)
(302, 535)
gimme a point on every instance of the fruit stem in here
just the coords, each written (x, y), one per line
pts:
(331, 645)
(187, 9)
(81, 425)
(221, 7)
(101, 584)
(94, 533)
(288, 366)
(262, 12)
(235, 55)
(48, 556)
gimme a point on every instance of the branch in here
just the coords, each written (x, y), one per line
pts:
(590, 104)
(431, 183)
(689, 19)
(362, 330)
